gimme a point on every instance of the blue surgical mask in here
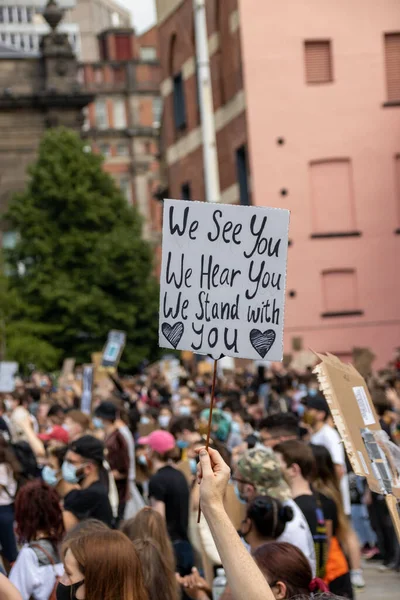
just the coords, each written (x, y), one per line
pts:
(49, 476)
(312, 392)
(98, 423)
(184, 411)
(238, 494)
(142, 460)
(193, 466)
(163, 421)
(144, 420)
(182, 444)
(69, 472)
(235, 427)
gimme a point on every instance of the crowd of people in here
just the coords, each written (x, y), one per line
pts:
(106, 505)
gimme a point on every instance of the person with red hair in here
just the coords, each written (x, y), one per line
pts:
(40, 528)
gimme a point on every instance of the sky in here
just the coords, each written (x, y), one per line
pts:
(143, 13)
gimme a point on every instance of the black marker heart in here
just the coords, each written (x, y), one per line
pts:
(262, 342)
(173, 333)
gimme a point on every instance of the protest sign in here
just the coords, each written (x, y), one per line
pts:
(67, 372)
(223, 279)
(8, 371)
(87, 387)
(113, 349)
(371, 454)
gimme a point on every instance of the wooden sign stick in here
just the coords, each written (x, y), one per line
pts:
(210, 418)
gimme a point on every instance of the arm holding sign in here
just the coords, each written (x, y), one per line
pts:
(244, 577)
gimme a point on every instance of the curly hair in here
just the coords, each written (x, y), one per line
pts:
(37, 510)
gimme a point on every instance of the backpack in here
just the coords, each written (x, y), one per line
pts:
(27, 459)
(53, 595)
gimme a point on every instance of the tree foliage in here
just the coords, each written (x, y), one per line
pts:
(80, 266)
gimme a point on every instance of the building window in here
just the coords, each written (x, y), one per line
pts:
(332, 198)
(392, 59)
(186, 192)
(105, 150)
(318, 61)
(119, 113)
(242, 176)
(122, 150)
(340, 294)
(126, 188)
(179, 102)
(101, 113)
(157, 111)
(148, 53)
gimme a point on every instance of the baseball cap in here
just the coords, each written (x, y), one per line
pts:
(318, 402)
(89, 447)
(57, 433)
(107, 411)
(261, 468)
(160, 441)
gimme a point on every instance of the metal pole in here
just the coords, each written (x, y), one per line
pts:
(210, 155)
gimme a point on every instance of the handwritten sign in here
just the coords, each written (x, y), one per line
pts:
(113, 348)
(87, 387)
(8, 371)
(223, 279)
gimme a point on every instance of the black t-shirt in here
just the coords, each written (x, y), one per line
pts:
(169, 485)
(312, 508)
(90, 503)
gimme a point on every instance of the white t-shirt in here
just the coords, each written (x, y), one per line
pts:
(297, 532)
(8, 485)
(31, 579)
(328, 436)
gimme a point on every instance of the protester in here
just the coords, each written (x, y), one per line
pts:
(117, 450)
(265, 521)
(298, 466)
(287, 571)
(169, 495)
(278, 428)
(40, 528)
(258, 473)
(159, 578)
(325, 481)
(76, 424)
(101, 564)
(10, 469)
(149, 523)
(82, 465)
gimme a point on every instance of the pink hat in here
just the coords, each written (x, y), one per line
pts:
(160, 441)
(57, 433)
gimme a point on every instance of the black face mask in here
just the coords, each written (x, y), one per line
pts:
(68, 592)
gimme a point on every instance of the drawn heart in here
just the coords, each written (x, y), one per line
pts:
(173, 333)
(262, 342)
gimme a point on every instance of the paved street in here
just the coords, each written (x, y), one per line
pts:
(380, 585)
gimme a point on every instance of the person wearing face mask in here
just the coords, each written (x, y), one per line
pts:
(76, 424)
(117, 450)
(258, 473)
(83, 465)
(265, 521)
(169, 494)
(164, 417)
(40, 529)
(51, 472)
(102, 565)
(184, 431)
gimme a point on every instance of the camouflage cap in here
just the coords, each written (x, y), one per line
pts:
(261, 468)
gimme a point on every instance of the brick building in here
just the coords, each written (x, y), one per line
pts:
(181, 131)
(308, 101)
(123, 122)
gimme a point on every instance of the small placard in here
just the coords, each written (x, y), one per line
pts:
(113, 348)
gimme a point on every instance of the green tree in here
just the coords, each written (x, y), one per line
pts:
(80, 266)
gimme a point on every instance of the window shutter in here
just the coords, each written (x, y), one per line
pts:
(392, 56)
(318, 60)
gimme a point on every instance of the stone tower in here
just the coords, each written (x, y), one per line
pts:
(36, 93)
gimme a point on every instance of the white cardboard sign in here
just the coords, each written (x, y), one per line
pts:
(223, 279)
(8, 371)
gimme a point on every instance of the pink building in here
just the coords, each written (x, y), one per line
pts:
(322, 83)
(307, 114)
